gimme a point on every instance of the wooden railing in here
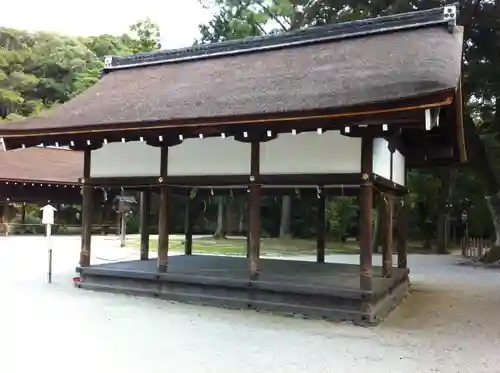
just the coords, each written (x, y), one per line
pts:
(475, 247)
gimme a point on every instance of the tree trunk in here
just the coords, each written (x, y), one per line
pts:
(493, 203)
(286, 216)
(427, 231)
(23, 213)
(228, 217)
(123, 229)
(241, 217)
(219, 231)
(447, 185)
(479, 159)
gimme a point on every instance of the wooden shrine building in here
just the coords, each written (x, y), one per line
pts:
(40, 175)
(346, 107)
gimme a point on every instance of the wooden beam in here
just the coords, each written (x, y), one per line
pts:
(431, 152)
(254, 210)
(144, 214)
(365, 210)
(387, 232)
(321, 229)
(163, 223)
(87, 209)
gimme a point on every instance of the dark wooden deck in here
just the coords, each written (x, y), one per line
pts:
(327, 290)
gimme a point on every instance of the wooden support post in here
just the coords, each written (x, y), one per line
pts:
(87, 209)
(321, 228)
(247, 225)
(365, 210)
(23, 214)
(254, 210)
(144, 210)
(188, 227)
(5, 216)
(248, 230)
(387, 232)
(163, 224)
(402, 232)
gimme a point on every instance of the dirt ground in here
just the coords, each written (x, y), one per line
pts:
(450, 323)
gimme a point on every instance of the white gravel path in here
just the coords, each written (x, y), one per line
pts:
(450, 323)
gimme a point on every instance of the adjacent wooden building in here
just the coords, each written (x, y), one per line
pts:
(40, 175)
(340, 108)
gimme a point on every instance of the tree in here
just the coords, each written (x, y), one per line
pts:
(239, 18)
(146, 36)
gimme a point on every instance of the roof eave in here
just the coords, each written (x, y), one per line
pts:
(385, 112)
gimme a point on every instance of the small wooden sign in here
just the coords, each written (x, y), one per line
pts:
(48, 214)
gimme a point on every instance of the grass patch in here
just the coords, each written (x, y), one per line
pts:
(269, 246)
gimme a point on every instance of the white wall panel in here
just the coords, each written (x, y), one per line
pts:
(310, 153)
(125, 160)
(306, 153)
(381, 158)
(209, 156)
(398, 168)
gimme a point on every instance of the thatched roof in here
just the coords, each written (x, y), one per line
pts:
(381, 66)
(41, 165)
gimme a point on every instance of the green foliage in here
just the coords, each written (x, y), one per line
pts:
(234, 19)
(133, 224)
(38, 70)
(146, 36)
(33, 224)
(341, 215)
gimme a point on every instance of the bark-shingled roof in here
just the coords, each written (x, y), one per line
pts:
(36, 164)
(337, 74)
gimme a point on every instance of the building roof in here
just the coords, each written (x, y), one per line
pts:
(363, 70)
(41, 165)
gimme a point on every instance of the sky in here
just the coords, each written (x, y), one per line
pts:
(178, 19)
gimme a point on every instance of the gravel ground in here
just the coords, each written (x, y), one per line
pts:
(450, 324)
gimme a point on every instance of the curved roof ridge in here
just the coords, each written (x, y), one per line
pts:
(336, 31)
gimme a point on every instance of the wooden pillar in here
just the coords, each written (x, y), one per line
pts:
(163, 224)
(402, 232)
(5, 216)
(23, 214)
(248, 227)
(254, 210)
(5, 210)
(188, 227)
(144, 210)
(87, 209)
(365, 210)
(247, 224)
(321, 228)
(387, 232)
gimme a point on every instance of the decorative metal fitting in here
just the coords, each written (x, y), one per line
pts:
(450, 15)
(108, 61)
(82, 181)
(252, 178)
(318, 192)
(160, 180)
(364, 176)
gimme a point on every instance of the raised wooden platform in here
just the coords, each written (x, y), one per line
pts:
(320, 290)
